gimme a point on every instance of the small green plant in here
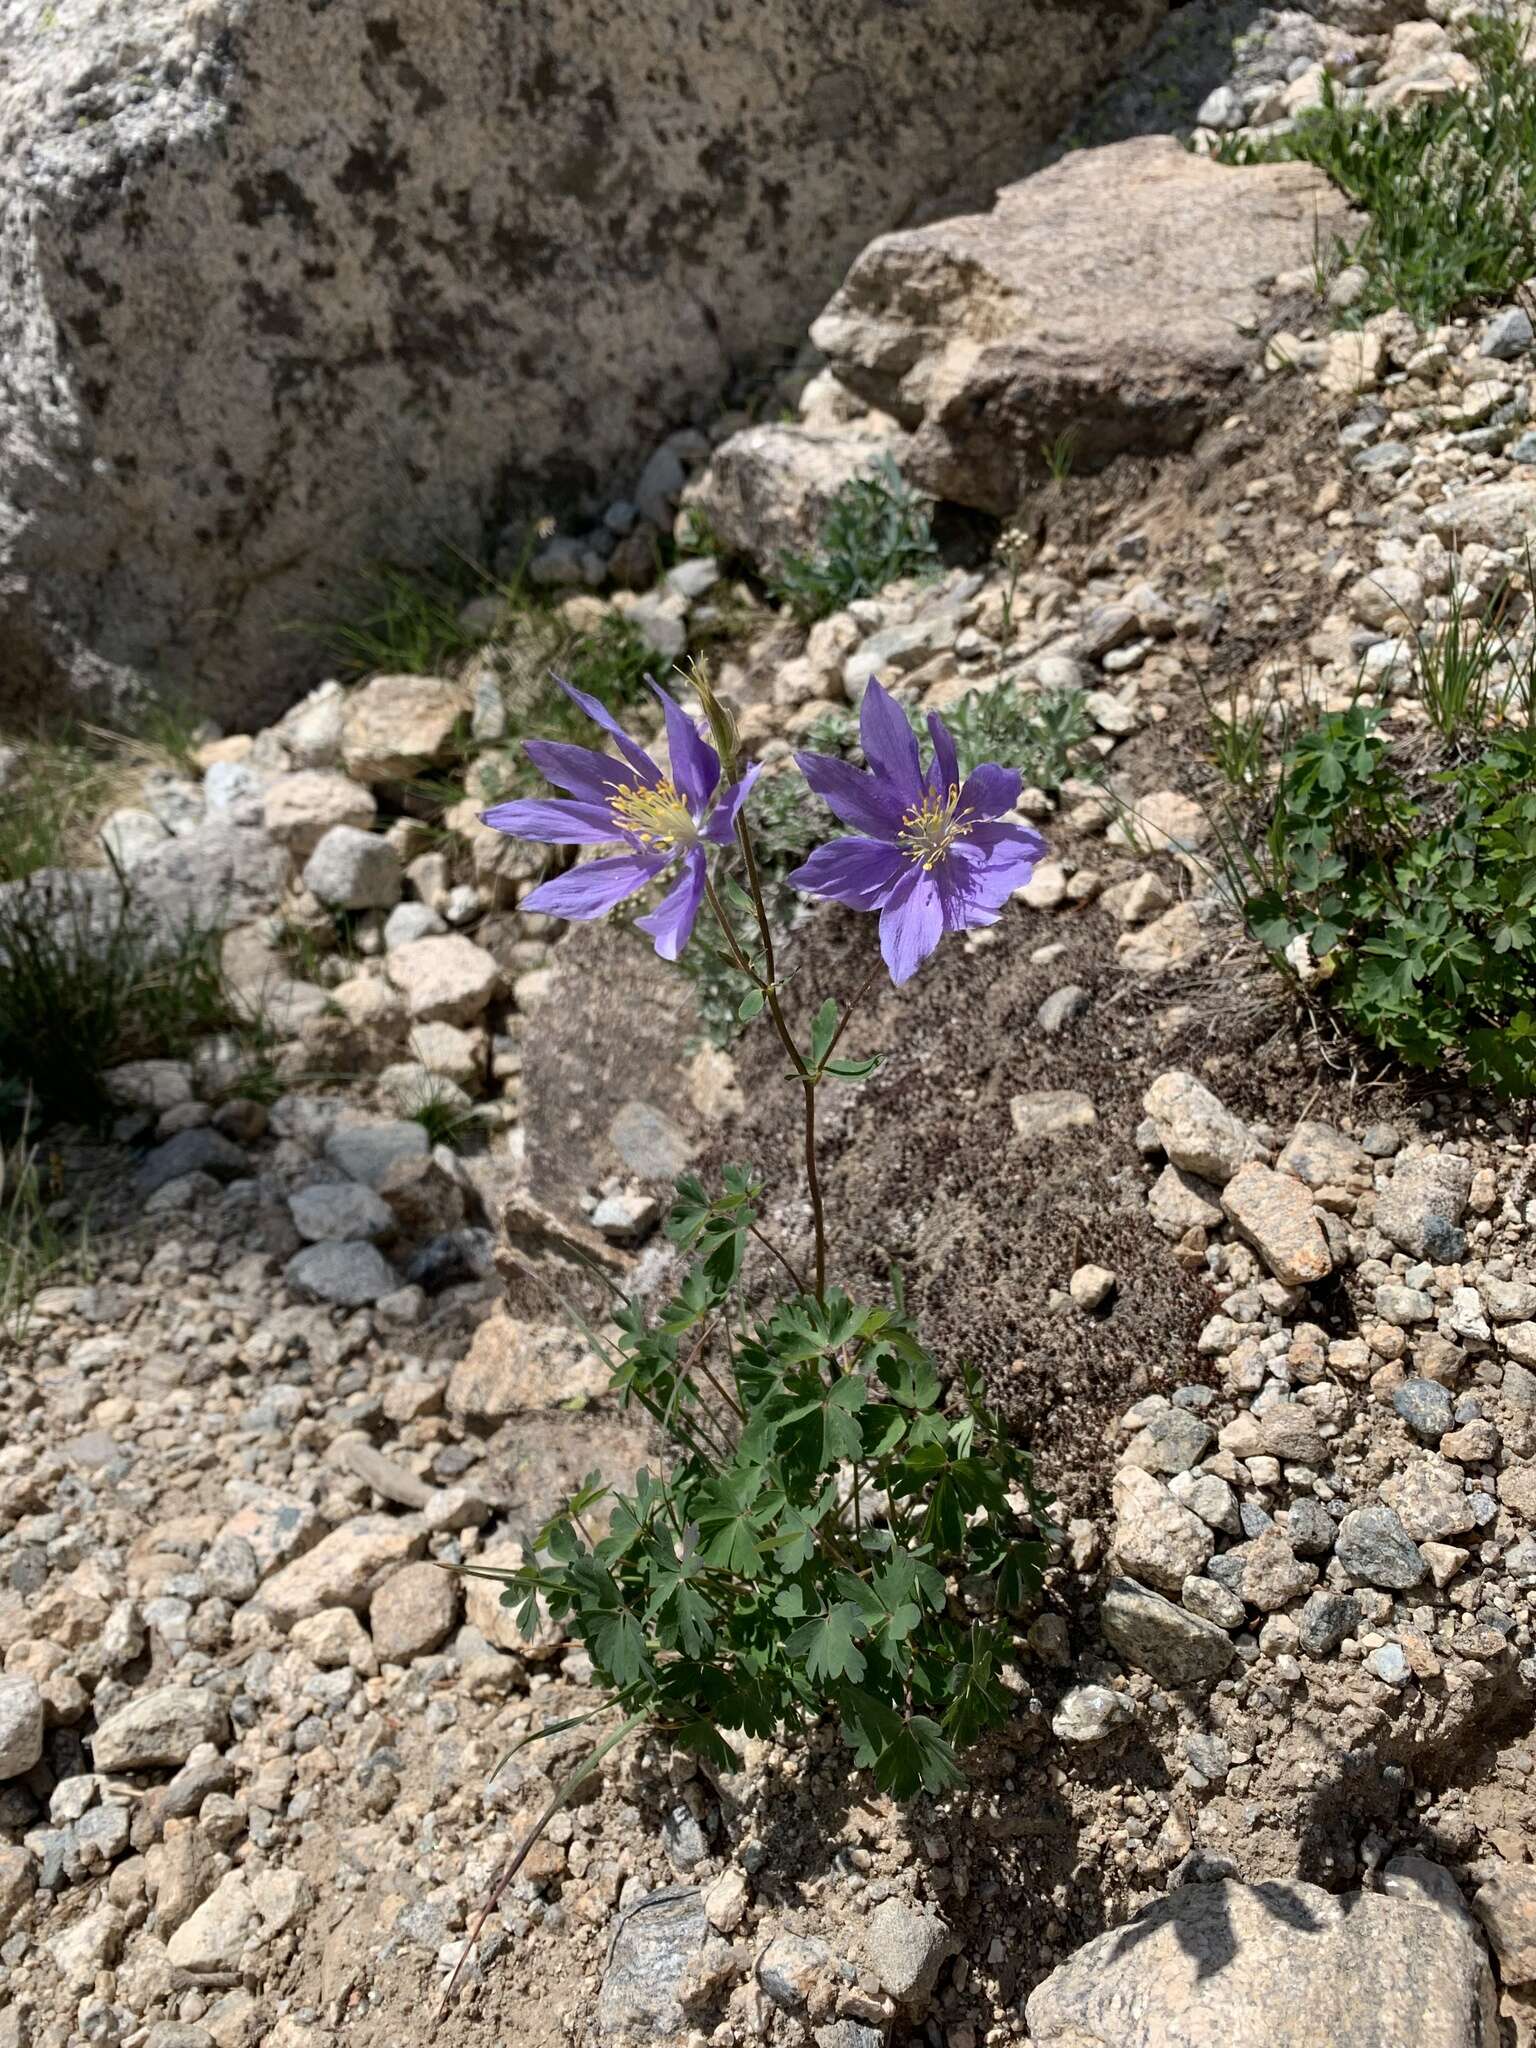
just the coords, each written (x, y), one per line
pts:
(87, 981)
(1060, 454)
(438, 1107)
(34, 1241)
(876, 530)
(409, 621)
(827, 1535)
(1418, 906)
(1449, 184)
(1454, 670)
(48, 807)
(1046, 734)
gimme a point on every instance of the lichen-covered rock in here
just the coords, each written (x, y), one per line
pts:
(282, 305)
(967, 333)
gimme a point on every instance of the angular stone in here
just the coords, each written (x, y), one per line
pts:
(766, 490)
(1326, 1620)
(1422, 1205)
(1155, 1539)
(1323, 1157)
(345, 1569)
(1289, 1431)
(278, 1527)
(447, 980)
(1152, 1634)
(1274, 1213)
(344, 1275)
(215, 1936)
(160, 1729)
(341, 1210)
(196, 1151)
(395, 727)
(654, 1941)
(1171, 1442)
(1199, 1134)
(367, 1152)
(1273, 1575)
(1506, 1906)
(1374, 1546)
(515, 1367)
(1279, 1965)
(906, 1950)
(413, 1612)
(21, 1726)
(1179, 1202)
(1500, 515)
(962, 331)
(298, 810)
(353, 870)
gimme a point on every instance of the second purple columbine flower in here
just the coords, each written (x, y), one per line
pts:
(665, 820)
(934, 855)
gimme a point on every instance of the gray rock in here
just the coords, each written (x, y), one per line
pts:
(345, 1275)
(1172, 1646)
(339, 1209)
(1390, 1665)
(160, 1728)
(1279, 1965)
(1422, 1206)
(366, 1152)
(202, 1150)
(133, 161)
(408, 922)
(960, 331)
(766, 490)
(652, 1945)
(1373, 1545)
(788, 1968)
(1212, 1601)
(21, 1726)
(1199, 1134)
(1507, 335)
(1171, 1442)
(1063, 1006)
(1426, 1407)
(1325, 1620)
(906, 1949)
(1090, 1713)
(1309, 1527)
(648, 1142)
(353, 870)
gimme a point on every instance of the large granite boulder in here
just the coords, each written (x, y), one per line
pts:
(1280, 1965)
(1114, 298)
(288, 291)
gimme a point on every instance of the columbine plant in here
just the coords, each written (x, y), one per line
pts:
(827, 1532)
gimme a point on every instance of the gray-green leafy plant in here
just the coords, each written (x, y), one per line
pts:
(876, 530)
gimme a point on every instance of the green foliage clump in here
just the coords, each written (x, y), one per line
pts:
(86, 983)
(1044, 735)
(876, 530)
(1449, 185)
(825, 1538)
(1422, 903)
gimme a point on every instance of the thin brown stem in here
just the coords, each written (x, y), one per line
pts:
(813, 1182)
(768, 1245)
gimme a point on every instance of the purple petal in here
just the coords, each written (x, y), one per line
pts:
(670, 924)
(990, 790)
(858, 873)
(911, 924)
(858, 799)
(946, 762)
(582, 770)
(695, 764)
(594, 886)
(982, 871)
(890, 745)
(722, 824)
(555, 820)
(599, 714)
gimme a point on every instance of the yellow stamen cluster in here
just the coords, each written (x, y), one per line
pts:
(930, 828)
(656, 816)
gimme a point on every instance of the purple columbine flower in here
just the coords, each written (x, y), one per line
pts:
(661, 818)
(936, 858)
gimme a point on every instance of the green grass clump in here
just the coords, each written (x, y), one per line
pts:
(409, 621)
(86, 983)
(876, 530)
(1415, 892)
(35, 1237)
(1449, 185)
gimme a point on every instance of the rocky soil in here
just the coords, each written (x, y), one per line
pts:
(1266, 1312)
